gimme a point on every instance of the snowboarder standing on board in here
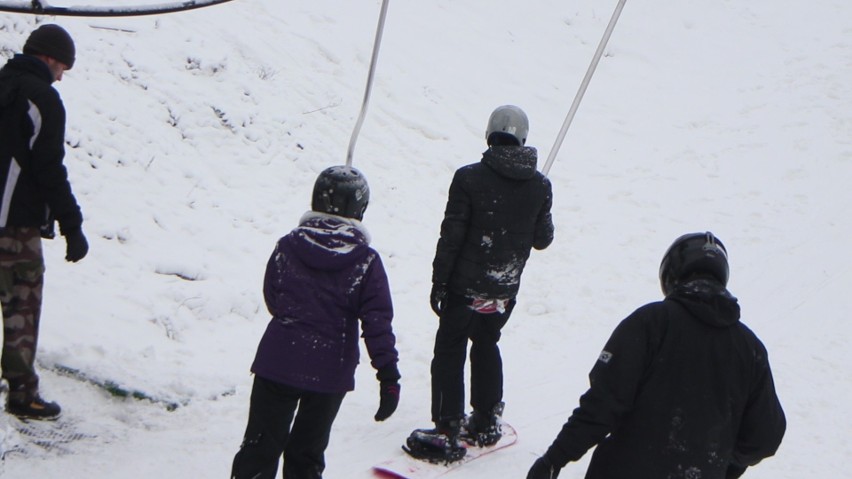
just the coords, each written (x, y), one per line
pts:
(498, 209)
(682, 388)
(321, 281)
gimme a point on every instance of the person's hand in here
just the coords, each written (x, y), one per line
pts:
(734, 471)
(542, 468)
(438, 297)
(76, 246)
(388, 399)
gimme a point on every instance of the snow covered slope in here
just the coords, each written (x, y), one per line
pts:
(194, 139)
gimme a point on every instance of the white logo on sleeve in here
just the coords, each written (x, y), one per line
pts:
(605, 356)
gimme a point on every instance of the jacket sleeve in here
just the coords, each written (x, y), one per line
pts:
(614, 380)
(47, 114)
(453, 231)
(544, 222)
(763, 423)
(272, 280)
(376, 313)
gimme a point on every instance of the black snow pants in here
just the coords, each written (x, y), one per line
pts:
(458, 324)
(272, 431)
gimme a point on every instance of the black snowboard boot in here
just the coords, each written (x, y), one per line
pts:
(440, 445)
(483, 429)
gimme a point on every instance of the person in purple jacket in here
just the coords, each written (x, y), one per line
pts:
(322, 280)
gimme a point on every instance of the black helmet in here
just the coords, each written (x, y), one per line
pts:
(693, 254)
(341, 191)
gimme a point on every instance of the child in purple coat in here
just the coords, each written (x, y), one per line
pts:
(322, 280)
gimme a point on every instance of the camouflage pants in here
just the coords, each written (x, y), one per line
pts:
(21, 281)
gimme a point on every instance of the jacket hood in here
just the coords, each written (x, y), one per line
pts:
(30, 64)
(515, 162)
(708, 301)
(328, 242)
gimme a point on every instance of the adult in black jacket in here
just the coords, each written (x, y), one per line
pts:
(682, 389)
(34, 192)
(497, 210)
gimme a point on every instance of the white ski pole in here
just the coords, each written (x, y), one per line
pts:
(577, 98)
(376, 45)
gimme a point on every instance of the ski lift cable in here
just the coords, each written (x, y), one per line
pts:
(585, 83)
(370, 76)
(36, 7)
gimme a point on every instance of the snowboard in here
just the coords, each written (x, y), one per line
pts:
(403, 466)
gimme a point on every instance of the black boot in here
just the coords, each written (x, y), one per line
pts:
(37, 408)
(483, 428)
(440, 445)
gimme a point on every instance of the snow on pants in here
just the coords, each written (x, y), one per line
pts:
(21, 281)
(459, 323)
(272, 431)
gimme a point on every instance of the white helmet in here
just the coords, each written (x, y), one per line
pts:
(508, 121)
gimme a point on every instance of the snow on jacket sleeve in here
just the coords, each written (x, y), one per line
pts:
(376, 313)
(614, 379)
(544, 223)
(453, 231)
(763, 423)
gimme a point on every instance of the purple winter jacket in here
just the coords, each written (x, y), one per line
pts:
(322, 278)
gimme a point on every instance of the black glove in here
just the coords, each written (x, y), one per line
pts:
(77, 246)
(388, 400)
(388, 377)
(542, 468)
(438, 297)
(734, 471)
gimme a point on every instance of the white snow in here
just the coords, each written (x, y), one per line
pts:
(194, 139)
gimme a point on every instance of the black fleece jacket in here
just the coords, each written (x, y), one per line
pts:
(33, 181)
(682, 389)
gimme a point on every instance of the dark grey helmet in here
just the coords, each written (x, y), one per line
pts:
(341, 191)
(694, 254)
(507, 121)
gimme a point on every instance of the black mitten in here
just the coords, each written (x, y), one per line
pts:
(388, 377)
(388, 400)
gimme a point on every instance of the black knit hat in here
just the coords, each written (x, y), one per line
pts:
(52, 41)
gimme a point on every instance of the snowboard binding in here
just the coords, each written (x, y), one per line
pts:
(483, 429)
(433, 446)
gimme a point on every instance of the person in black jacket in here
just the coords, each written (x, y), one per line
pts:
(34, 193)
(497, 210)
(682, 389)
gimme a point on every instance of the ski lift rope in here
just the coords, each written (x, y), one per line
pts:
(370, 75)
(583, 85)
(568, 119)
(36, 7)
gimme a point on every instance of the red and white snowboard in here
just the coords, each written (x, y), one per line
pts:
(403, 466)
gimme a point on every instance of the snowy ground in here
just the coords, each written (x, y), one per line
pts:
(194, 139)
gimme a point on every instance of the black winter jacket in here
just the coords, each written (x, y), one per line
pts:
(682, 390)
(33, 181)
(497, 210)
